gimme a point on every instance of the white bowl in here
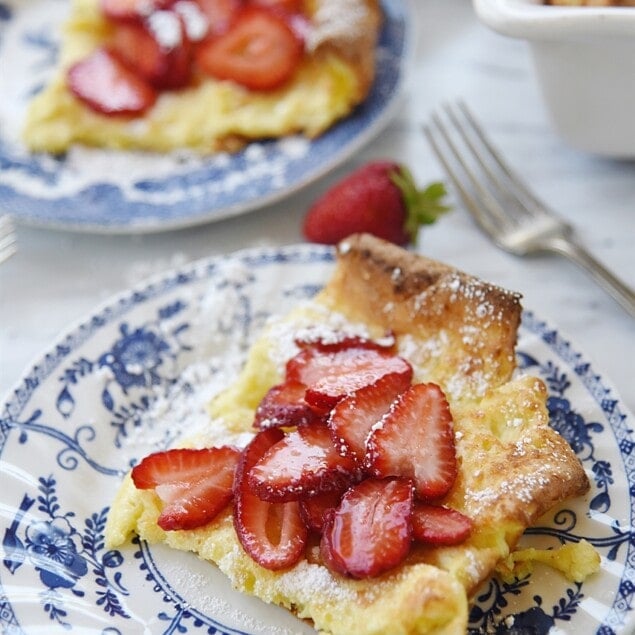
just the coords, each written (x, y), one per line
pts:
(585, 63)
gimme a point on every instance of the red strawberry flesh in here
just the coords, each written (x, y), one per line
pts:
(352, 419)
(370, 531)
(259, 50)
(287, 6)
(284, 406)
(314, 509)
(195, 485)
(416, 440)
(163, 65)
(441, 526)
(362, 479)
(330, 375)
(273, 534)
(219, 13)
(304, 463)
(350, 370)
(108, 86)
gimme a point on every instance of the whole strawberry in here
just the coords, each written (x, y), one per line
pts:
(379, 198)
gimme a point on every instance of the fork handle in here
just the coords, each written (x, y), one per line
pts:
(620, 292)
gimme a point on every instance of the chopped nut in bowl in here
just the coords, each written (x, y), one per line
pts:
(584, 58)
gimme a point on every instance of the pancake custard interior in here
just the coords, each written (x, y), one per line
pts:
(204, 75)
(393, 458)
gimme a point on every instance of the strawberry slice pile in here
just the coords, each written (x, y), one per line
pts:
(159, 45)
(347, 450)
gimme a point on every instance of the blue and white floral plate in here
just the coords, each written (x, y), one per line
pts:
(106, 191)
(120, 384)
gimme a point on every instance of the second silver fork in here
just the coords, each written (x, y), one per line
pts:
(7, 238)
(502, 204)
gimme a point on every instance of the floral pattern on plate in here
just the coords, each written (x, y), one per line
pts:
(114, 388)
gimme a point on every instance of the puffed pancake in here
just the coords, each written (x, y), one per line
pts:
(190, 81)
(444, 341)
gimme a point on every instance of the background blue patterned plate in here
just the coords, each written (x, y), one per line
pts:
(108, 191)
(120, 383)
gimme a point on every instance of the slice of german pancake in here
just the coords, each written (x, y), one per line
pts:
(457, 333)
(207, 113)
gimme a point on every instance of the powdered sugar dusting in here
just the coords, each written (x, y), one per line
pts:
(166, 28)
(127, 169)
(522, 490)
(314, 323)
(480, 362)
(196, 24)
(336, 20)
(209, 591)
(313, 580)
(178, 415)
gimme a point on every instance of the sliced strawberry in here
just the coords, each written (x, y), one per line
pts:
(304, 463)
(219, 13)
(194, 485)
(343, 372)
(131, 10)
(309, 365)
(322, 362)
(314, 509)
(370, 531)
(165, 65)
(273, 534)
(442, 526)
(107, 86)
(259, 51)
(352, 419)
(416, 440)
(284, 406)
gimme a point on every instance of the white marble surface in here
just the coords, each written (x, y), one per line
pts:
(57, 278)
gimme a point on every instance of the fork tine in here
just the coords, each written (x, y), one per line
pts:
(522, 194)
(508, 188)
(7, 238)
(485, 162)
(489, 214)
(479, 214)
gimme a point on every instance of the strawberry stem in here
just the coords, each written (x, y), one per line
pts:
(423, 207)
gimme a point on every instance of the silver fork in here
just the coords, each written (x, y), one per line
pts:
(502, 204)
(7, 238)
